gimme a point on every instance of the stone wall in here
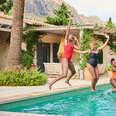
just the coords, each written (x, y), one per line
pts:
(4, 48)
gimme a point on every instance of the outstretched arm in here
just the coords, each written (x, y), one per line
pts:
(82, 52)
(107, 36)
(68, 31)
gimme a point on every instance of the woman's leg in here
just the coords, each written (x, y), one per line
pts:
(64, 72)
(72, 72)
(94, 78)
(113, 90)
(113, 82)
(97, 74)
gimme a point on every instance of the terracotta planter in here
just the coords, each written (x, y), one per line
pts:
(33, 67)
(109, 74)
(87, 75)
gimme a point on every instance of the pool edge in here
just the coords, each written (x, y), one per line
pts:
(3, 113)
(44, 93)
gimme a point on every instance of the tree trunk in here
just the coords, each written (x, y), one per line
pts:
(14, 56)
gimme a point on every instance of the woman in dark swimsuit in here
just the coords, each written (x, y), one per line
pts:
(93, 61)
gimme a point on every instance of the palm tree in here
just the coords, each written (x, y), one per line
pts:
(14, 56)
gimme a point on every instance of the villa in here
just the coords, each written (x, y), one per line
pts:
(50, 36)
(31, 79)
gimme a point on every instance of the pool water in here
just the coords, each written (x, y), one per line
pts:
(80, 102)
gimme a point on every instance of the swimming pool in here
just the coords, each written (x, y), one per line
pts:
(80, 102)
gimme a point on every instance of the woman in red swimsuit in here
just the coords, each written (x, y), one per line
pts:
(66, 57)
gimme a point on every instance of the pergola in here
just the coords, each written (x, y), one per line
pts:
(75, 29)
(6, 24)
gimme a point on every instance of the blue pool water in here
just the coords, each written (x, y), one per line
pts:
(80, 102)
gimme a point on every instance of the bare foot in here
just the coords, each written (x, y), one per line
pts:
(108, 91)
(67, 82)
(94, 90)
(50, 86)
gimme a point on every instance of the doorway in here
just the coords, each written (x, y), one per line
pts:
(43, 54)
(55, 50)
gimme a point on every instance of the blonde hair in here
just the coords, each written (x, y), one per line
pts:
(61, 47)
(93, 43)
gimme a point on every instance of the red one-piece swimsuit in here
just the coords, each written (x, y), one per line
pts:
(68, 50)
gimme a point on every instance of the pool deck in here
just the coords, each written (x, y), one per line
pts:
(8, 94)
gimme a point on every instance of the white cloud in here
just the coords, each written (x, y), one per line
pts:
(102, 8)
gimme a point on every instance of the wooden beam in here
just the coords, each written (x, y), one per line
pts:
(5, 22)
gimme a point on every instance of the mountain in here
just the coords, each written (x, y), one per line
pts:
(43, 8)
(39, 9)
(93, 20)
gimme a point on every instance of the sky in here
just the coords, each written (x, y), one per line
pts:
(101, 8)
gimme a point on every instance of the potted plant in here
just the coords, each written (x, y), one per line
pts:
(109, 70)
(33, 67)
(87, 74)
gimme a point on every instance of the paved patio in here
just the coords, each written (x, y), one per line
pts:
(15, 93)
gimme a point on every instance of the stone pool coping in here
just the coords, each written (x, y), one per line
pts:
(20, 114)
(47, 92)
(39, 94)
(44, 92)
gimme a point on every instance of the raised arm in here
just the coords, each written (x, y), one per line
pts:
(67, 32)
(77, 46)
(107, 36)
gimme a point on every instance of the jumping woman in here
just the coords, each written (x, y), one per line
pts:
(93, 61)
(66, 57)
(113, 77)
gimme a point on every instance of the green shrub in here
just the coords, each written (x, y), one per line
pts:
(60, 16)
(109, 68)
(26, 59)
(84, 42)
(23, 78)
(100, 60)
